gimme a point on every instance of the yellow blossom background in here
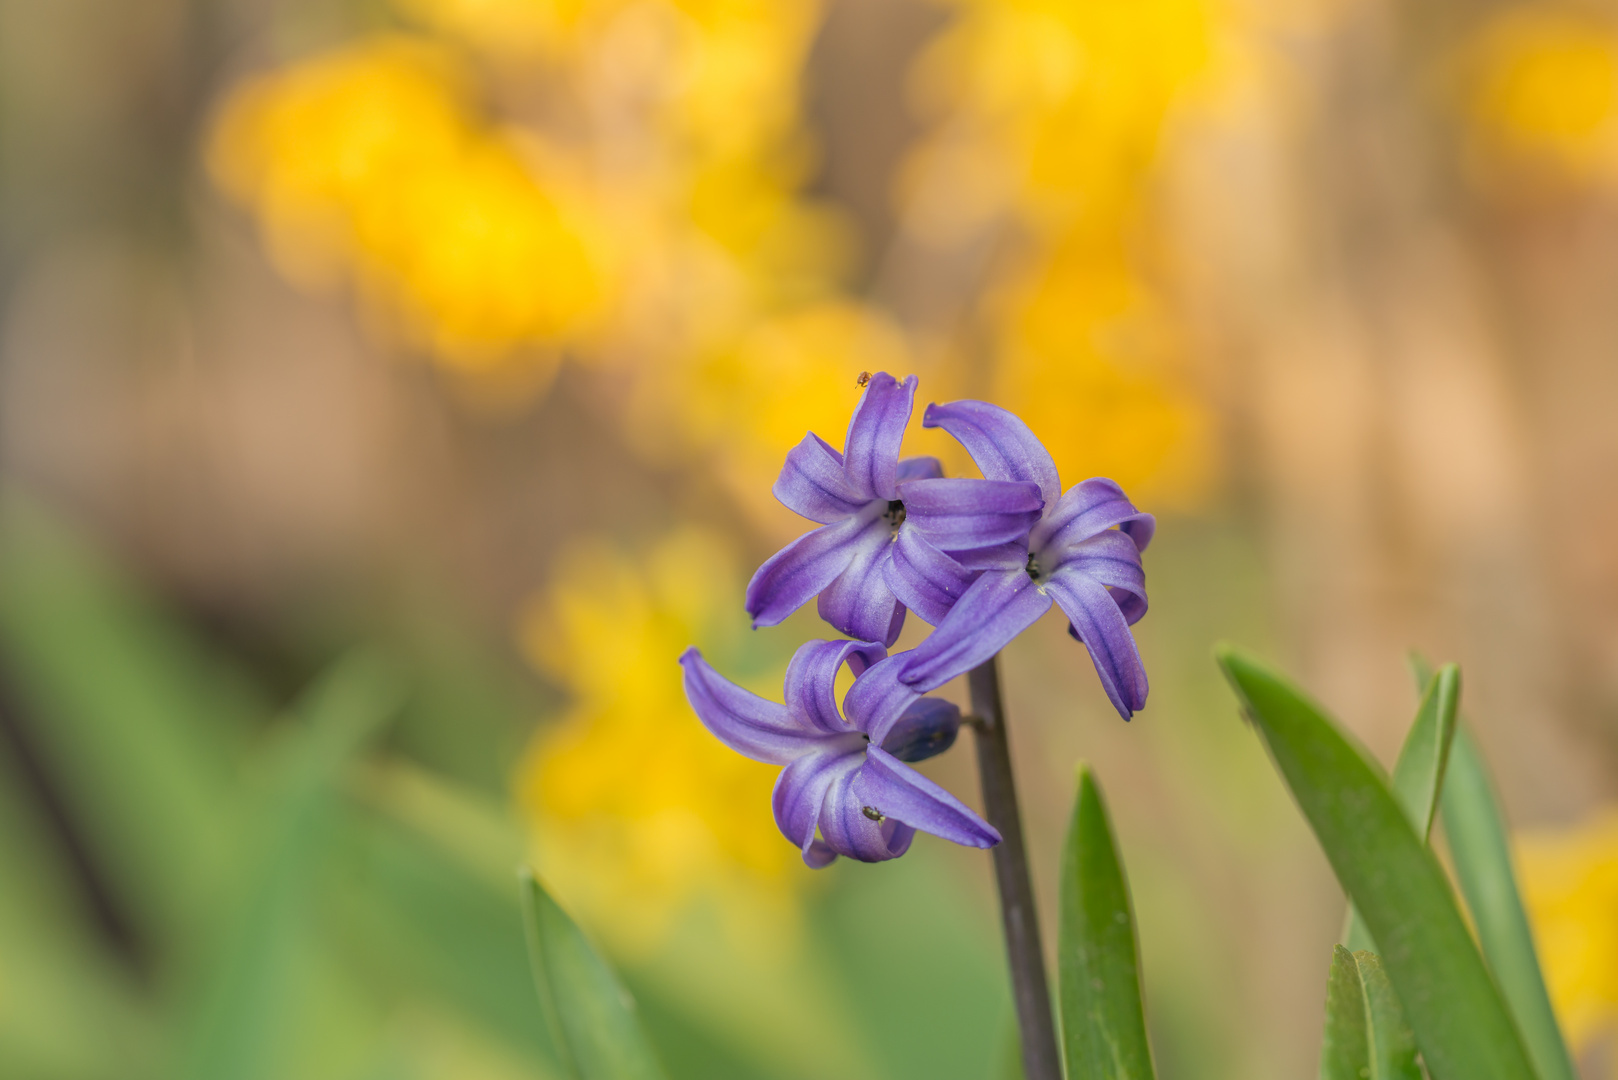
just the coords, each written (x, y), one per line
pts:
(445, 351)
(634, 810)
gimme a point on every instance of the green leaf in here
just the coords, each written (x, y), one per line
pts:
(1345, 1051)
(1367, 1037)
(1477, 838)
(1392, 1043)
(592, 1017)
(243, 1002)
(1103, 1022)
(59, 979)
(1460, 1021)
(1477, 842)
(140, 726)
(1418, 775)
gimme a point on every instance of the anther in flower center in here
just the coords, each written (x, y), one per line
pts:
(871, 812)
(894, 515)
(1033, 566)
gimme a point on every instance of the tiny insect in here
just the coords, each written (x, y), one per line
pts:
(871, 812)
(865, 377)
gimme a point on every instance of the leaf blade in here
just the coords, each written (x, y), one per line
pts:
(1345, 1049)
(1418, 774)
(1460, 1022)
(1103, 1018)
(1482, 855)
(1391, 1045)
(594, 1020)
(242, 1002)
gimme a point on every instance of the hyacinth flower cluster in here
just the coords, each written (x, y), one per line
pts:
(979, 559)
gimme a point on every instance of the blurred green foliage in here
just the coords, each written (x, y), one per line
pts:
(205, 881)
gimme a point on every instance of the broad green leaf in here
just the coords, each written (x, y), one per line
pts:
(140, 726)
(242, 1004)
(592, 1017)
(1103, 1021)
(1418, 775)
(1460, 1021)
(1367, 1037)
(58, 979)
(1477, 842)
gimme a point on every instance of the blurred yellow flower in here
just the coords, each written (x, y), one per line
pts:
(371, 162)
(633, 214)
(1062, 107)
(747, 401)
(1570, 886)
(1543, 83)
(515, 29)
(637, 810)
(644, 210)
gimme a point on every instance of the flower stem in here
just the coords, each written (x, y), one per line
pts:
(1041, 1060)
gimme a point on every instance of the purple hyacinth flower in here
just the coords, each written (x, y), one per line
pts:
(1084, 555)
(846, 789)
(866, 501)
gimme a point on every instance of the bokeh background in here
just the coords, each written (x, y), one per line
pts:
(391, 389)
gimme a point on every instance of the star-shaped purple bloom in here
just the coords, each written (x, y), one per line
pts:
(1084, 554)
(845, 779)
(866, 500)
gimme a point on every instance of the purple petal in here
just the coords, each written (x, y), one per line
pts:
(1088, 508)
(819, 855)
(919, 468)
(897, 835)
(877, 699)
(1100, 624)
(925, 729)
(1000, 605)
(803, 568)
(1132, 604)
(812, 483)
(1112, 559)
(858, 601)
(999, 442)
(1140, 528)
(959, 515)
(812, 680)
(924, 579)
(743, 721)
(871, 458)
(897, 791)
(849, 830)
(800, 790)
(1011, 556)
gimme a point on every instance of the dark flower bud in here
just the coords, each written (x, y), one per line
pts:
(926, 728)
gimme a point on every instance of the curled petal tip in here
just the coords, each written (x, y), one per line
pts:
(875, 431)
(817, 855)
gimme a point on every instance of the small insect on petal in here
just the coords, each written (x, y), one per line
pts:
(871, 812)
(864, 377)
